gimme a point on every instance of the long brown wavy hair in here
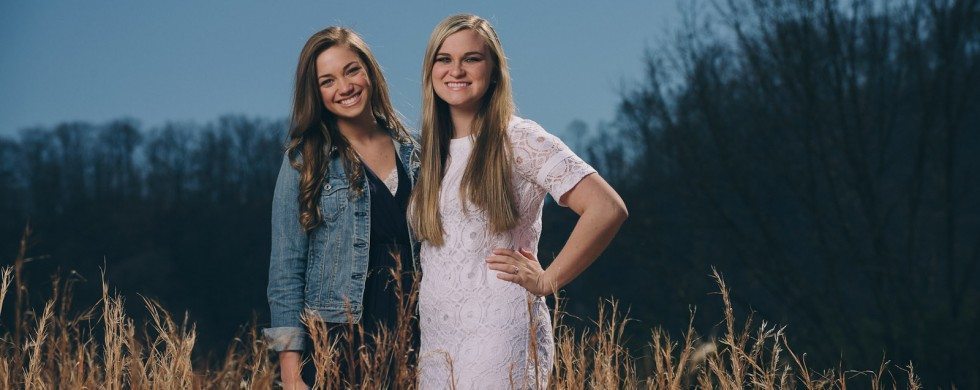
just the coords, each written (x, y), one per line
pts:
(487, 178)
(314, 137)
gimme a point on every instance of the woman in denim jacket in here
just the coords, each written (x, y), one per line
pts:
(338, 213)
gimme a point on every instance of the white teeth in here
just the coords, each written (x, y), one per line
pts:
(351, 100)
(457, 85)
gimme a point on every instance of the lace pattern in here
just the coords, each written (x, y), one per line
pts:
(477, 330)
(392, 181)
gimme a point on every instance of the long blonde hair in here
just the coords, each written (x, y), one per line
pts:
(313, 133)
(487, 178)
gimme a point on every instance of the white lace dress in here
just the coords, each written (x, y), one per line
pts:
(476, 330)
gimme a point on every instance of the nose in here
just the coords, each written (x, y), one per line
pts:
(457, 70)
(346, 88)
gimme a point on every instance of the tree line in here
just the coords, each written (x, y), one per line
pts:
(824, 155)
(178, 213)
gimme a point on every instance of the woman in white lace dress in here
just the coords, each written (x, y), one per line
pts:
(477, 209)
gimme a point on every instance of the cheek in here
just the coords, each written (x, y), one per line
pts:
(440, 90)
(364, 80)
(483, 69)
(437, 75)
(481, 76)
(438, 72)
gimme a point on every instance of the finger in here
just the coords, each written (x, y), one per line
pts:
(516, 255)
(505, 268)
(501, 259)
(527, 253)
(505, 252)
(509, 277)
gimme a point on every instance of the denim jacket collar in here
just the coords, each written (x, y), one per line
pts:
(406, 149)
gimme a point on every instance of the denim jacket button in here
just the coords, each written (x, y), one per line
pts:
(326, 186)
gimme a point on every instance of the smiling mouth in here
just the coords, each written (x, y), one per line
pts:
(457, 85)
(351, 100)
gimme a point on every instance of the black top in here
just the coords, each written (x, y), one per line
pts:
(389, 246)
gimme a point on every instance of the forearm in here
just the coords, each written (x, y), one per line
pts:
(290, 368)
(593, 232)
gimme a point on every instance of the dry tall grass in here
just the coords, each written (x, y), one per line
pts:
(101, 347)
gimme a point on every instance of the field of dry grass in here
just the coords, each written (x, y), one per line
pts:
(102, 347)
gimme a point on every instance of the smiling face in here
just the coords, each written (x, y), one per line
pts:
(461, 73)
(345, 87)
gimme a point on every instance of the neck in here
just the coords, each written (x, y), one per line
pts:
(462, 121)
(359, 130)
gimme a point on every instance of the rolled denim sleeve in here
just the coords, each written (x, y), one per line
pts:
(287, 265)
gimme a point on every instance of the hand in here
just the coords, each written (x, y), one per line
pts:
(522, 268)
(290, 368)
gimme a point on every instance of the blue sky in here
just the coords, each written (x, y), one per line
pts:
(194, 61)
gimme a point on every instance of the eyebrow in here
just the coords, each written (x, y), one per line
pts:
(464, 54)
(345, 69)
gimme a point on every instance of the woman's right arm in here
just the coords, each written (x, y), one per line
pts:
(290, 370)
(287, 273)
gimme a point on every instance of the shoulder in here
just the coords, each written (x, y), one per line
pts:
(528, 136)
(408, 150)
(415, 135)
(406, 139)
(292, 160)
(525, 133)
(521, 127)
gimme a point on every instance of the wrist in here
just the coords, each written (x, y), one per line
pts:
(547, 283)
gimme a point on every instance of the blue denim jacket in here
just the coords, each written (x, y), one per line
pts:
(324, 270)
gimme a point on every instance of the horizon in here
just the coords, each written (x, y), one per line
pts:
(158, 63)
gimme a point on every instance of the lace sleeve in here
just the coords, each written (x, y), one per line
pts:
(544, 159)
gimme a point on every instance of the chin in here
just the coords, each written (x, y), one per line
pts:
(351, 115)
(458, 101)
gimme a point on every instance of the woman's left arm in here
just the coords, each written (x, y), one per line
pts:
(601, 212)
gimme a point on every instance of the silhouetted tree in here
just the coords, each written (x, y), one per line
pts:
(116, 176)
(168, 166)
(179, 213)
(823, 154)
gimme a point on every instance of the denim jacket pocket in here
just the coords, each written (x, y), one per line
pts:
(334, 198)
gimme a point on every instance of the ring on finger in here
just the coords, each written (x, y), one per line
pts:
(516, 270)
